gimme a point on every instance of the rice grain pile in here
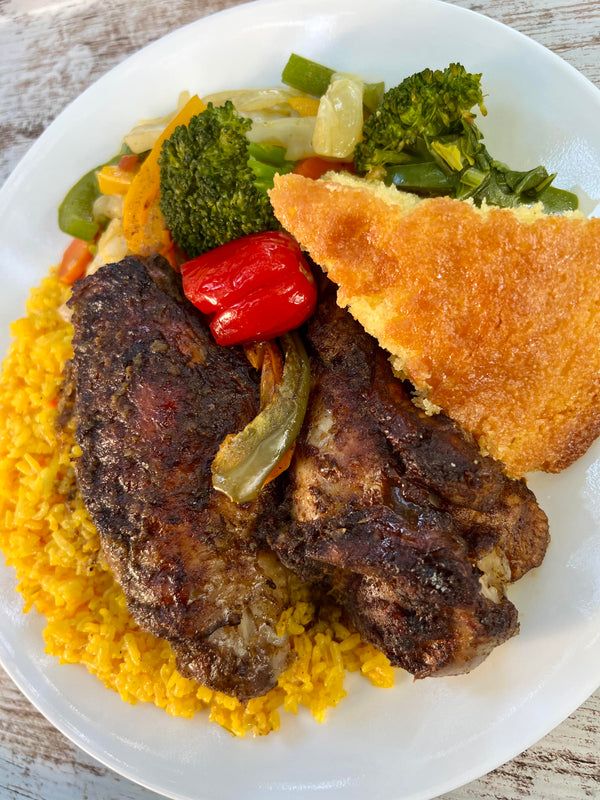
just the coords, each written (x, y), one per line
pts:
(47, 536)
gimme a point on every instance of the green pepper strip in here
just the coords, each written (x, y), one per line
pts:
(245, 460)
(75, 213)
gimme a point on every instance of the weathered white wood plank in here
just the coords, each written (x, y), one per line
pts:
(570, 28)
(49, 56)
(38, 763)
(50, 50)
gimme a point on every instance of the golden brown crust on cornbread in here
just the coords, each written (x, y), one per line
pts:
(493, 314)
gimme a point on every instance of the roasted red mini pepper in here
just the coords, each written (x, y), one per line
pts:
(255, 288)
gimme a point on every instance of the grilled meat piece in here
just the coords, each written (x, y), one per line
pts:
(412, 530)
(154, 398)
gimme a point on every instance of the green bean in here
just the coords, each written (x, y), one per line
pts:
(312, 78)
(426, 178)
(558, 200)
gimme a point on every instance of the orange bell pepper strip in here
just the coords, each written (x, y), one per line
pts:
(74, 261)
(143, 223)
(114, 180)
(271, 374)
(305, 106)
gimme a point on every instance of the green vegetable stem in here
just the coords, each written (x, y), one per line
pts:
(245, 460)
(266, 161)
(308, 76)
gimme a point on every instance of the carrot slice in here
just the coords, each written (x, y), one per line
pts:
(74, 261)
(314, 167)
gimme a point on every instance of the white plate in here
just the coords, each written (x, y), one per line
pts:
(419, 739)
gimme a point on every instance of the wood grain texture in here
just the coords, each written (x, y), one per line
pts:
(50, 50)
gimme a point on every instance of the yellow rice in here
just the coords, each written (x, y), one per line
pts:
(47, 536)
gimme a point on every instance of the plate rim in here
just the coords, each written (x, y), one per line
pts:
(44, 704)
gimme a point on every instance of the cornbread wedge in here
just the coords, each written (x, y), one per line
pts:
(493, 314)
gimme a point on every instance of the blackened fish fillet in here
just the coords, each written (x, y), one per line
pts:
(154, 398)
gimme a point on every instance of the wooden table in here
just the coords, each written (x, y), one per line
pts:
(50, 50)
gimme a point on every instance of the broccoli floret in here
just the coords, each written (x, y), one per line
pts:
(213, 182)
(426, 105)
(423, 138)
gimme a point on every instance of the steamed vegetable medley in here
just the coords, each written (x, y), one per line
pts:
(193, 185)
